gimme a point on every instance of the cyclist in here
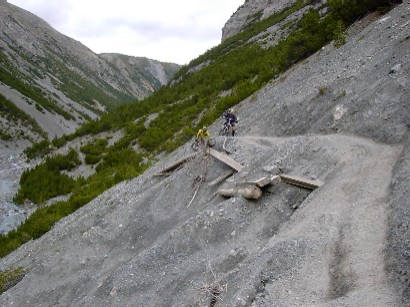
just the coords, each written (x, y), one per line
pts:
(202, 134)
(231, 119)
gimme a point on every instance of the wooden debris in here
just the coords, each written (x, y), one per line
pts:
(227, 192)
(261, 182)
(221, 178)
(304, 183)
(275, 180)
(264, 181)
(167, 171)
(193, 197)
(225, 159)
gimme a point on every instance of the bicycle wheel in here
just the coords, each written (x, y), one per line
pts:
(224, 131)
(195, 145)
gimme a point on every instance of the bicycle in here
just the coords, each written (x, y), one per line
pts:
(197, 143)
(201, 142)
(226, 130)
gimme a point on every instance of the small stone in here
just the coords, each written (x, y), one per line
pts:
(395, 68)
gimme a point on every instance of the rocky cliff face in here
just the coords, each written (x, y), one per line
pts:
(170, 239)
(250, 11)
(146, 73)
(73, 78)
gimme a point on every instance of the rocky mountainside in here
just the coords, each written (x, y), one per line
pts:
(169, 238)
(57, 84)
(249, 12)
(75, 84)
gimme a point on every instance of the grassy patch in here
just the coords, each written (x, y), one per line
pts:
(9, 278)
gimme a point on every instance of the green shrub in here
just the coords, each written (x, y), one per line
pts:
(94, 151)
(42, 183)
(5, 136)
(9, 278)
(39, 149)
(322, 90)
(59, 142)
(63, 162)
(340, 37)
(46, 181)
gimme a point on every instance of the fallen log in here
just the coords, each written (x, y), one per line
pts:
(301, 182)
(174, 166)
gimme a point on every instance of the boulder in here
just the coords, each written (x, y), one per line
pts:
(250, 192)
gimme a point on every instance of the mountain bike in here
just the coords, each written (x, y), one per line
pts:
(226, 130)
(197, 143)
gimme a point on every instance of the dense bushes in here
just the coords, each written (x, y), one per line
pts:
(94, 150)
(46, 180)
(116, 166)
(42, 183)
(350, 10)
(39, 149)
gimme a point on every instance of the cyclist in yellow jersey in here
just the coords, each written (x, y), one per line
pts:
(202, 134)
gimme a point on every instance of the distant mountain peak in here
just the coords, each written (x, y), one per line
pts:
(75, 83)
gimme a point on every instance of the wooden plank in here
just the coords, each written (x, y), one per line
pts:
(225, 159)
(173, 167)
(301, 182)
(221, 178)
(261, 182)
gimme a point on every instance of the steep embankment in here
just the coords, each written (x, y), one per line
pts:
(341, 116)
(141, 242)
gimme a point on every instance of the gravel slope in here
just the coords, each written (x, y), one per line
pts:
(328, 252)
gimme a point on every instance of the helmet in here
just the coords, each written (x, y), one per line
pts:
(204, 128)
(230, 111)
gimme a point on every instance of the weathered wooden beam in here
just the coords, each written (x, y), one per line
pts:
(221, 178)
(174, 166)
(301, 182)
(225, 159)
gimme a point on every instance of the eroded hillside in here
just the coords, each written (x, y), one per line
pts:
(340, 116)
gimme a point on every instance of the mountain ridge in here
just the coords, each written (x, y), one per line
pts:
(67, 72)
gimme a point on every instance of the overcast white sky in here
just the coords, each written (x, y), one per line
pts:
(174, 31)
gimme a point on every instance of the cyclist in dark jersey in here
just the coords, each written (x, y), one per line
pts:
(231, 118)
